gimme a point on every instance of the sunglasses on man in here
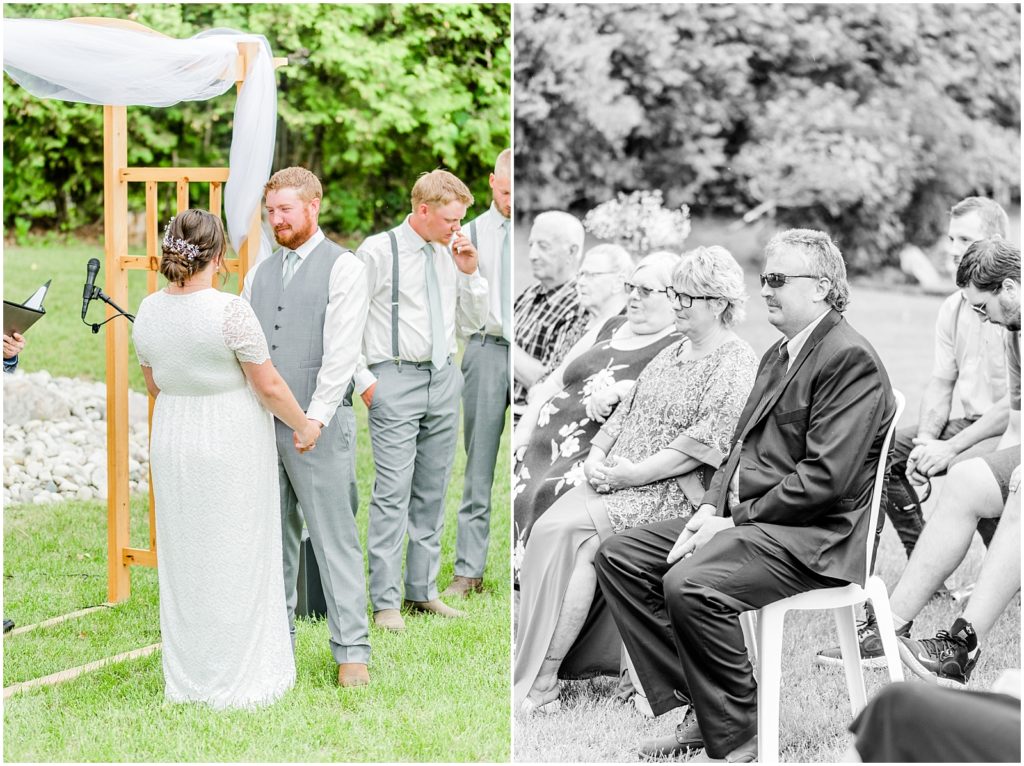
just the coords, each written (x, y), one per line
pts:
(775, 280)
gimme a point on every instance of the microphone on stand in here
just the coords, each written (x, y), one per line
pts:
(89, 291)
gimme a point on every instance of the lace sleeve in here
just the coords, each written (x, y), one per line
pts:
(243, 334)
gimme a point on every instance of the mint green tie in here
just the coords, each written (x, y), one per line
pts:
(506, 282)
(291, 258)
(438, 352)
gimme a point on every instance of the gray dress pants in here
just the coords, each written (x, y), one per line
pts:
(322, 482)
(485, 400)
(414, 424)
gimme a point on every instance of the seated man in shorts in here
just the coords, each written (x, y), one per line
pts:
(976, 489)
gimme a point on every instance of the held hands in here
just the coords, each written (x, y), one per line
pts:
(601, 404)
(701, 527)
(928, 458)
(610, 473)
(13, 345)
(464, 253)
(305, 440)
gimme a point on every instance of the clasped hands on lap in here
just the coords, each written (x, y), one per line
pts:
(701, 527)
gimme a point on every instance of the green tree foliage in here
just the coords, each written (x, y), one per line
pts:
(868, 121)
(373, 95)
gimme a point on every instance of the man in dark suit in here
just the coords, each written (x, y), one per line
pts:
(788, 512)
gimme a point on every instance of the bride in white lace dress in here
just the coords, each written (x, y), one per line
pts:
(223, 618)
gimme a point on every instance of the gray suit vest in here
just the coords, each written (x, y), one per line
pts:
(293, 317)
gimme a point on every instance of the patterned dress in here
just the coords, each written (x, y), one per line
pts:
(691, 405)
(553, 463)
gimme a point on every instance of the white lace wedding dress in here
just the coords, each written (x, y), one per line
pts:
(223, 617)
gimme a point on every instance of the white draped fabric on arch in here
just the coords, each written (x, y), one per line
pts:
(94, 64)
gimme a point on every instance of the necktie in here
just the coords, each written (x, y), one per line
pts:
(777, 372)
(438, 352)
(291, 258)
(506, 282)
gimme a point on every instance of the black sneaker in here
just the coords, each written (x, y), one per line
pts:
(871, 653)
(946, 659)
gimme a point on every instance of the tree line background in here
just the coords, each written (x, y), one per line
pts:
(372, 96)
(867, 121)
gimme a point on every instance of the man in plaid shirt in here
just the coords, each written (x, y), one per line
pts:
(547, 313)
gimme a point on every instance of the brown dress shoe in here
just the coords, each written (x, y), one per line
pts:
(434, 606)
(389, 619)
(461, 586)
(353, 674)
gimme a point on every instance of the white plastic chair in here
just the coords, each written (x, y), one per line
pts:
(764, 635)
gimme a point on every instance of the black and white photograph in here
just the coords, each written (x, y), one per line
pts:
(766, 363)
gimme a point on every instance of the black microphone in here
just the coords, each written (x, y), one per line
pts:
(91, 270)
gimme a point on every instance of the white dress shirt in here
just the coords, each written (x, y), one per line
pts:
(463, 299)
(344, 321)
(490, 238)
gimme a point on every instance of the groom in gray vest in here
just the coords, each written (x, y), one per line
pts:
(310, 298)
(424, 284)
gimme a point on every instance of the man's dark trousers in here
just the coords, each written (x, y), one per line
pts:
(680, 622)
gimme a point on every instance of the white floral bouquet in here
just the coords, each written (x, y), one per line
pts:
(640, 222)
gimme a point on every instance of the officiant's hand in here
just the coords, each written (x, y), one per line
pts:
(305, 440)
(13, 345)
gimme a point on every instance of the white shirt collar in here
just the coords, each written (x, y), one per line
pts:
(415, 241)
(310, 244)
(493, 211)
(795, 344)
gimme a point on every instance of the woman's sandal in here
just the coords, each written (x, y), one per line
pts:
(532, 707)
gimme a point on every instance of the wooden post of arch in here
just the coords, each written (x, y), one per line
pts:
(116, 177)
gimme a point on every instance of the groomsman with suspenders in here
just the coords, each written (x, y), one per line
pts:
(423, 284)
(486, 368)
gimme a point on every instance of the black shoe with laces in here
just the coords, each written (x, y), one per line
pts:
(871, 653)
(945, 660)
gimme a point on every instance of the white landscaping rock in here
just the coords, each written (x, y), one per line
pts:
(55, 439)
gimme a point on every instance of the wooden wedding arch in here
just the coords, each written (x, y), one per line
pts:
(118, 262)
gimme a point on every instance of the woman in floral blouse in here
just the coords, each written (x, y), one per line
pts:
(552, 439)
(646, 464)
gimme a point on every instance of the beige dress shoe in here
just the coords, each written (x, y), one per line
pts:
(353, 674)
(434, 606)
(461, 587)
(389, 619)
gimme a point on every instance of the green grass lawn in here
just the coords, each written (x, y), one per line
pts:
(439, 692)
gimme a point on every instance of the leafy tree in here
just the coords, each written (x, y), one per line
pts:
(373, 95)
(866, 120)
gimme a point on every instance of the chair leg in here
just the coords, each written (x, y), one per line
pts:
(847, 628)
(769, 683)
(876, 591)
(748, 622)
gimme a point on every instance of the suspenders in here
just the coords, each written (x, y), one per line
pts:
(472, 233)
(394, 297)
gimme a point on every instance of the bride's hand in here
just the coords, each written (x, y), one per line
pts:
(305, 439)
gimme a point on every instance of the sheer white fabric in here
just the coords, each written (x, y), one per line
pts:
(94, 64)
(223, 617)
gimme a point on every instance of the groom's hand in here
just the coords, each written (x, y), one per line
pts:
(306, 440)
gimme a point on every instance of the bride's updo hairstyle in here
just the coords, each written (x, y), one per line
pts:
(192, 239)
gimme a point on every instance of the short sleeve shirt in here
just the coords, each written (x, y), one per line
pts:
(969, 350)
(543, 320)
(1012, 343)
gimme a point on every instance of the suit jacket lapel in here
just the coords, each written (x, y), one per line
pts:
(824, 327)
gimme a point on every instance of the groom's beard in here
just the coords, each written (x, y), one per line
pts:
(294, 237)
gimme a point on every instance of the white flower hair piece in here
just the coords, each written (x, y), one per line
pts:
(179, 246)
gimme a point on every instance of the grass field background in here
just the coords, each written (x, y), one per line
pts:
(439, 692)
